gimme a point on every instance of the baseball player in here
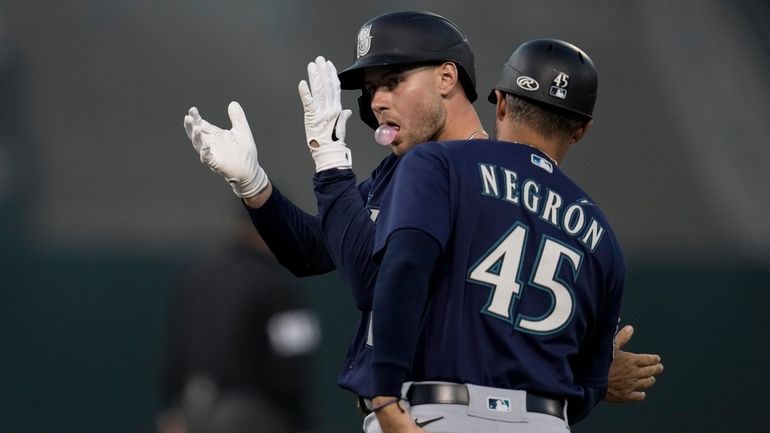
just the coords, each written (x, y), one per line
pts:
(341, 236)
(404, 40)
(401, 47)
(499, 291)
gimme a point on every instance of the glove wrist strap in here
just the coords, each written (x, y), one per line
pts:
(252, 186)
(332, 156)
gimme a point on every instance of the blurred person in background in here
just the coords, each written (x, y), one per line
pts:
(240, 340)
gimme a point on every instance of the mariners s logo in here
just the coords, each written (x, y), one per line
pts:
(364, 41)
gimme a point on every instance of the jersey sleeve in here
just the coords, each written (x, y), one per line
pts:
(400, 298)
(293, 236)
(419, 197)
(348, 230)
(592, 366)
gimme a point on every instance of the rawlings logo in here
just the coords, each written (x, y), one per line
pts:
(527, 83)
(364, 41)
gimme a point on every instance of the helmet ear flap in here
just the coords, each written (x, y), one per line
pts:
(365, 110)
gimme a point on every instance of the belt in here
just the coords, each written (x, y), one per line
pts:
(450, 393)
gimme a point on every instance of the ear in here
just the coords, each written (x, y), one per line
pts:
(448, 77)
(501, 107)
(581, 132)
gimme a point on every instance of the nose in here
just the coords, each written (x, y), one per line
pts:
(380, 100)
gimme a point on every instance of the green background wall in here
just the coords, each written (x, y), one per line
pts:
(82, 339)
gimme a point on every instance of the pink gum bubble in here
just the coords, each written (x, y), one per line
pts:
(385, 134)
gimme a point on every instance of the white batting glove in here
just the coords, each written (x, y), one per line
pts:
(324, 117)
(231, 153)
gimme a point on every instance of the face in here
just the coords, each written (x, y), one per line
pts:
(409, 100)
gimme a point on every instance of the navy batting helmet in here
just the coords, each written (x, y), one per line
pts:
(408, 37)
(553, 73)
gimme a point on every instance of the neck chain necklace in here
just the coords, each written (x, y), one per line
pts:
(477, 132)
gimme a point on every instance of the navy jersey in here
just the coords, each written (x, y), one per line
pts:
(293, 236)
(526, 294)
(348, 214)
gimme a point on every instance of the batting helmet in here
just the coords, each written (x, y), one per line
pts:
(408, 37)
(553, 73)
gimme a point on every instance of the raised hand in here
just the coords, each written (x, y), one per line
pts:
(232, 153)
(325, 119)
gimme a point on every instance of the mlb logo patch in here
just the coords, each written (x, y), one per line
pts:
(497, 404)
(542, 163)
(558, 92)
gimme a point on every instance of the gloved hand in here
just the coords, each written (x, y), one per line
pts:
(324, 117)
(231, 153)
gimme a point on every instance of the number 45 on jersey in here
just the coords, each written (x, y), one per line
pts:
(501, 267)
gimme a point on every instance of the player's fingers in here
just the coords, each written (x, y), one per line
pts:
(237, 117)
(326, 83)
(206, 127)
(312, 77)
(315, 71)
(645, 383)
(333, 78)
(334, 85)
(342, 120)
(652, 370)
(195, 137)
(193, 112)
(644, 359)
(188, 126)
(304, 94)
(623, 336)
(636, 396)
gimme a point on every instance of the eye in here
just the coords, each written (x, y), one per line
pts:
(393, 82)
(370, 88)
